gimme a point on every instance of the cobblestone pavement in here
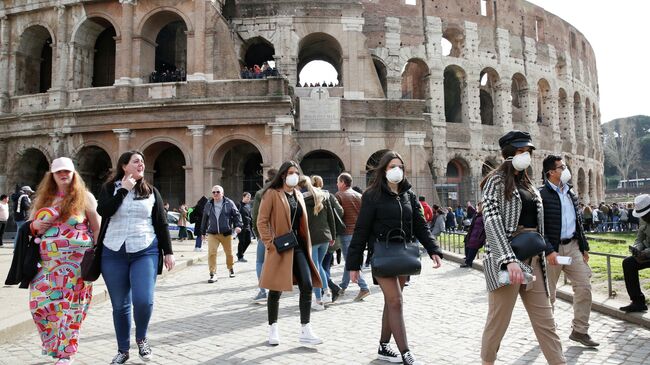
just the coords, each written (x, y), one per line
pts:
(199, 323)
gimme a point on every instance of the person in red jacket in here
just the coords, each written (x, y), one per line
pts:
(428, 212)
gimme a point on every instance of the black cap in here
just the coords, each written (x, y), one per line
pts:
(516, 139)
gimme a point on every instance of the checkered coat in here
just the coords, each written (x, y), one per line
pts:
(501, 217)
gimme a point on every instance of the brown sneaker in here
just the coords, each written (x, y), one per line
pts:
(362, 294)
(583, 338)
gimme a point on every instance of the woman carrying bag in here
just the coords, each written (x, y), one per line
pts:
(512, 207)
(284, 231)
(133, 244)
(390, 216)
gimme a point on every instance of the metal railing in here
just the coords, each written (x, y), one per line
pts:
(453, 242)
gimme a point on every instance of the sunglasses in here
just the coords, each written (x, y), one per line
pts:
(216, 192)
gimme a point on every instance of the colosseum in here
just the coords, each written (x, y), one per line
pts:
(438, 81)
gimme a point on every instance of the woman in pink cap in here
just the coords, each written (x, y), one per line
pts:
(65, 223)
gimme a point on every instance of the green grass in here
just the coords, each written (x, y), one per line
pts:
(628, 237)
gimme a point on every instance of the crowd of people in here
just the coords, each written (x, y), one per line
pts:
(257, 72)
(168, 73)
(614, 217)
(531, 235)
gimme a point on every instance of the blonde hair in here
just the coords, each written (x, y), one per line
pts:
(74, 200)
(315, 192)
(317, 181)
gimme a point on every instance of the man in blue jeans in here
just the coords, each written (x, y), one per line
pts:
(259, 260)
(351, 202)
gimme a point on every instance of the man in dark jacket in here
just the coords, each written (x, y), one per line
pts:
(564, 233)
(246, 233)
(220, 216)
(196, 217)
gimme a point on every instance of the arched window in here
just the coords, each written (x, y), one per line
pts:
(487, 95)
(94, 54)
(34, 61)
(320, 47)
(413, 79)
(382, 74)
(164, 48)
(544, 104)
(454, 85)
(519, 96)
(259, 59)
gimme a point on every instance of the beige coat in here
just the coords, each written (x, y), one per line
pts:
(274, 220)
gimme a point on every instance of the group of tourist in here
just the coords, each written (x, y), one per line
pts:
(531, 235)
(257, 72)
(612, 217)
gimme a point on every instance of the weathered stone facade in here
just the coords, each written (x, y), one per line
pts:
(74, 80)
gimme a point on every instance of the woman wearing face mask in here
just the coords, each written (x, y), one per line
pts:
(389, 206)
(282, 210)
(132, 257)
(511, 205)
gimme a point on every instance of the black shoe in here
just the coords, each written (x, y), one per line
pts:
(120, 358)
(212, 279)
(634, 307)
(242, 260)
(465, 265)
(583, 338)
(232, 273)
(144, 350)
(386, 353)
(336, 292)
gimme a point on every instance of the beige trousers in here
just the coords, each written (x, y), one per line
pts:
(501, 303)
(213, 244)
(579, 274)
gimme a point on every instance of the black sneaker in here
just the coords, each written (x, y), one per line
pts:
(409, 359)
(232, 273)
(634, 307)
(144, 350)
(120, 358)
(212, 279)
(386, 353)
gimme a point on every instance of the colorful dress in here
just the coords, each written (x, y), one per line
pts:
(59, 297)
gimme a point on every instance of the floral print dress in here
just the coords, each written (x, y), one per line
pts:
(59, 297)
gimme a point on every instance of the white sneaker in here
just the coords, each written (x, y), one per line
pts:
(317, 306)
(274, 335)
(409, 359)
(327, 298)
(307, 336)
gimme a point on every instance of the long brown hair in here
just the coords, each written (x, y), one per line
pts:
(379, 181)
(74, 200)
(142, 188)
(508, 171)
(278, 180)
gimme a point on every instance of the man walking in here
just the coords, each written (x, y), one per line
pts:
(246, 233)
(350, 200)
(563, 230)
(220, 215)
(640, 258)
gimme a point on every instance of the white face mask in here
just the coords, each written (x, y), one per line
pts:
(292, 180)
(566, 176)
(395, 175)
(521, 161)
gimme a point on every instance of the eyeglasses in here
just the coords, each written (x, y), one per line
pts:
(563, 167)
(216, 192)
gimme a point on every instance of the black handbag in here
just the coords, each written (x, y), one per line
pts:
(527, 244)
(91, 264)
(286, 241)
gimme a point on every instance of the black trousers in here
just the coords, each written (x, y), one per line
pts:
(631, 272)
(3, 225)
(470, 255)
(302, 273)
(244, 241)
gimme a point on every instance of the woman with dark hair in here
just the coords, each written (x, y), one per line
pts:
(133, 244)
(64, 224)
(282, 211)
(511, 205)
(389, 206)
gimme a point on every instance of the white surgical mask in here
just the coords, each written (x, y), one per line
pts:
(395, 175)
(521, 161)
(566, 175)
(292, 180)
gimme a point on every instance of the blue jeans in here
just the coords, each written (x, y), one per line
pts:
(318, 252)
(345, 244)
(259, 261)
(130, 279)
(198, 241)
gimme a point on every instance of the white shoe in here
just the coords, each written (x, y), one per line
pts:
(327, 298)
(274, 335)
(317, 306)
(307, 336)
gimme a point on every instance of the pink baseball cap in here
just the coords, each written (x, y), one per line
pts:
(62, 163)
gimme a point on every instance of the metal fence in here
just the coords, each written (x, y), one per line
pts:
(453, 242)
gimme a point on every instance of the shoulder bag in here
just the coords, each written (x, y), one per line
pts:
(289, 240)
(397, 258)
(527, 244)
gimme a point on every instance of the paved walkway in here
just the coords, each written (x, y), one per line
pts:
(199, 323)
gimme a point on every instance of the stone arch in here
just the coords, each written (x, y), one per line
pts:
(414, 85)
(487, 95)
(371, 164)
(382, 73)
(163, 44)
(519, 97)
(588, 119)
(321, 47)
(220, 146)
(455, 35)
(94, 53)
(257, 51)
(29, 167)
(582, 182)
(578, 120)
(34, 60)
(564, 108)
(238, 166)
(458, 184)
(165, 164)
(94, 165)
(544, 104)
(591, 187)
(455, 83)
(324, 163)
(163, 139)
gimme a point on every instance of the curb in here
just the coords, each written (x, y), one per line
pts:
(13, 332)
(597, 306)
